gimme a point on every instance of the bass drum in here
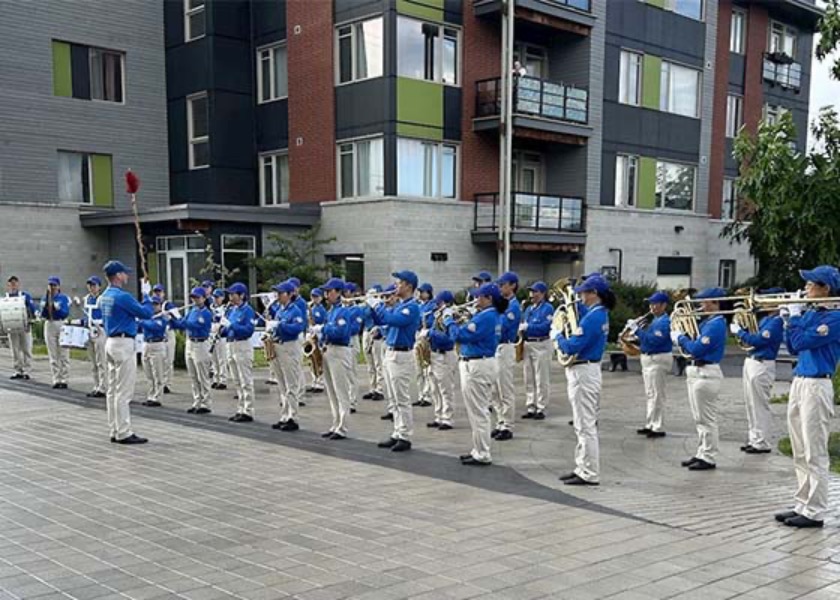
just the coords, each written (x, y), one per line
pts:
(14, 316)
(73, 337)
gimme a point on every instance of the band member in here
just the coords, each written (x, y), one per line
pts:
(655, 344)
(169, 364)
(21, 341)
(504, 394)
(154, 351)
(402, 316)
(479, 367)
(298, 301)
(536, 325)
(96, 340)
(55, 308)
(478, 280)
(426, 299)
(208, 287)
(443, 368)
(813, 335)
(237, 328)
(704, 377)
(583, 376)
(356, 320)
(290, 323)
(338, 356)
(120, 312)
(197, 323)
(372, 342)
(390, 405)
(269, 316)
(317, 316)
(759, 376)
(220, 357)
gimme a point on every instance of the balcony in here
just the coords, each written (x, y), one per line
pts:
(538, 221)
(780, 69)
(574, 16)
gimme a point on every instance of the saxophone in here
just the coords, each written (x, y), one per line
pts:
(312, 348)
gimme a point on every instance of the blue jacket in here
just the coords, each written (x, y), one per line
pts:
(403, 321)
(427, 313)
(480, 336)
(711, 344)
(440, 341)
(765, 343)
(120, 311)
(656, 337)
(319, 314)
(539, 317)
(241, 323)
(196, 323)
(154, 328)
(60, 309)
(590, 339)
(30, 304)
(290, 323)
(272, 310)
(510, 322)
(300, 303)
(815, 338)
(337, 328)
(357, 319)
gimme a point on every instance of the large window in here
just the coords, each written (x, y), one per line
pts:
(198, 125)
(75, 178)
(428, 51)
(773, 113)
(237, 253)
(738, 32)
(729, 204)
(106, 75)
(692, 9)
(680, 90)
(272, 78)
(361, 166)
(630, 78)
(626, 180)
(360, 48)
(675, 185)
(734, 115)
(274, 178)
(180, 260)
(195, 23)
(426, 169)
(726, 274)
(782, 39)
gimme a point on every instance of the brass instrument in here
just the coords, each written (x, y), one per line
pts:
(356, 300)
(312, 347)
(628, 340)
(519, 346)
(461, 313)
(566, 318)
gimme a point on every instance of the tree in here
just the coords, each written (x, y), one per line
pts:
(212, 270)
(829, 29)
(299, 255)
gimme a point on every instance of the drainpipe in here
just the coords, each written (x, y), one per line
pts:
(505, 136)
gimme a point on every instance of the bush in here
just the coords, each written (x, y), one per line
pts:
(631, 302)
(180, 350)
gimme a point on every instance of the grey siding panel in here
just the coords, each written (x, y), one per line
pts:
(651, 133)
(362, 108)
(451, 113)
(268, 21)
(598, 76)
(655, 31)
(187, 68)
(566, 172)
(568, 60)
(707, 93)
(350, 10)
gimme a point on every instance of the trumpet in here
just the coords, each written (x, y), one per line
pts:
(460, 313)
(357, 300)
(629, 341)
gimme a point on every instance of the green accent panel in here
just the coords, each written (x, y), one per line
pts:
(419, 108)
(103, 180)
(419, 131)
(422, 9)
(651, 77)
(659, 3)
(647, 183)
(62, 71)
(152, 266)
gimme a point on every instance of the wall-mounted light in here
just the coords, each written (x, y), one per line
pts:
(678, 228)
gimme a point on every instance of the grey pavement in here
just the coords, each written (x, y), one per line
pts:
(210, 509)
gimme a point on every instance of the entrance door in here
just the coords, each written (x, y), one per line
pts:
(527, 184)
(177, 276)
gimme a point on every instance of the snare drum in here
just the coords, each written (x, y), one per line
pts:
(14, 316)
(72, 336)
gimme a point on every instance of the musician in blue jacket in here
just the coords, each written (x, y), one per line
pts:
(356, 320)
(536, 326)
(92, 321)
(444, 366)
(504, 394)
(197, 324)
(583, 375)
(704, 377)
(316, 315)
(426, 300)
(218, 346)
(290, 322)
(159, 291)
(154, 351)
(237, 328)
(55, 308)
(372, 347)
(334, 335)
(21, 340)
(655, 344)
(813, 335)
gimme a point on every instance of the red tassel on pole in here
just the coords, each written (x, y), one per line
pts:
(132, 184)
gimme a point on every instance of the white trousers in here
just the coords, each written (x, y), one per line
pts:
(198, 360)
(584, 388)
(353, 373)
(121, 361)
(537, 374)
(21, 343)
(373, 357)
(59, 357)
(337, 366)
(478, 377)
(241, 362)
(442, 385)
(810, 410)
(399, 368)
(758, 379)
(655, 367)
(96, 356)
(154, 364)
(169, 364)
(504, 392)
(220, 362)
(288, 367)
(704, 401)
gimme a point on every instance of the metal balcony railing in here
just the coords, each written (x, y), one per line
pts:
(782, 70)
(532, 96)
(584, 5)
(532, 212)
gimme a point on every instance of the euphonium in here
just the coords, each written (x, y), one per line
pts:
(519, 346)
(566, 318)
(268, 347)
(684, 319)
(629, 341)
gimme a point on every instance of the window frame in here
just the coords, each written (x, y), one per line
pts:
(251, 253)
(663, 206)
(188, 12)
(667, 95)
(439, 145)
(639, 75)
(635, 158)
(355, 167)
(785, 30)
(731, 184)
(741, 42)
(87, 164)
(337, 37)
(272, 59)
(273, 155)
(738, 101)
(191, 140)
(438, 66)
(121, 54)
(727, 263)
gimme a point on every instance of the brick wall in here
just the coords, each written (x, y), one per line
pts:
(716, 160)
(757, 23)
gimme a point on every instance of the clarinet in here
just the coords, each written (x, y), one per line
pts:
(217, 335)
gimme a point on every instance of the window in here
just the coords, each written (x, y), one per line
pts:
(361, 165)
(426, 169)
(630, 78)
(272, 80)
(198, 121)
(274, 179)
(782, 39)
(360, 50)
(75, 178)
(734, 115)
(626, 178)
(726, 274)
(773, 113)
(680, 90)
(428, 51)
(195, 24)
(674, 186)
(106, 75)
(729, 204)
(693, 9)
(237, 253)
(180, 263)
(673, 272)
(738, 32)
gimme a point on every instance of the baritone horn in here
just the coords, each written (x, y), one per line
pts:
(566, 318)
(628, 340)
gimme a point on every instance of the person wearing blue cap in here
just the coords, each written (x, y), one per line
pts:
(425, 297)
(655, 344)
(504, 394)
(317, 315)
(338, 358)
(21, 338)
(289, 322)
(759, 375)
(402, 316)
(55, 308)
(813, 335)
(237, 329)
(478, 340)
(120, 312)
(372, 347)
(169, 364)
(197, 324)
(443, 367)
(535, 327)
(92, 320)
(583, 375)
(208, 287)
(357, 320)
(218, 345)
(300, 302)
(271, 306)
(154, 351)
(704, 377)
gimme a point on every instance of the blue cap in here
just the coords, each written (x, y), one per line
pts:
(410, 277)
(824, 274)
(93, 279)
(593, 283)
(658, 297)
(351, 287)
(218, 293)
(539, 286)
(509, 277)
(53, 280)
(198, 292)
(489, 289)
(710, 294)
(316, 292)
(334, 283)
(238, 288)
(390, 289)
(445, 296)
(158, 288)
(284, 287)
(156, 300)
(376, 288)
(112, 267)
(207, 283)
(773, 290)
(426, 287)
(294, 281)
(483, 276)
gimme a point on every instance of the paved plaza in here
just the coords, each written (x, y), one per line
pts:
(212, 509)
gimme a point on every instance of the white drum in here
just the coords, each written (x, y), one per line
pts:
(14, 315)
(73, 337)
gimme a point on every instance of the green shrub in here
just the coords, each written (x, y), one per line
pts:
(630, 304)
(780, 399)
(833, 449)
(180, 350)
(37, 332)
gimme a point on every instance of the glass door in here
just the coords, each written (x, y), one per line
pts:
(177, 276)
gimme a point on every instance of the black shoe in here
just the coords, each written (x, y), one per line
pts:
(464, 457)
(278, 425)
(377, 397)
(528, 415)
(236, 396)
(101, 395)
(242, 418)
(433, 424)
(27, 377)
(270, 382)
(656, 434)
(417, 403)
(444, 427)
(203, 411)
(690, 461)
(644, 431)
(744, 447)
(234, 417)
(91, 395)
(387, 417)
(166, 390)
(425, 403)
(113, 440)
(150, 403)
(702, 465)
(326, 434)
(504, 434)
(401, 446)
(801, 522)
(290, 425)
(56, 386)
(539, 416)
(214, 385)
(337, 436)
(190, 410)
(367, 396)
(784, 516)
(17, 376)
(576, 480)
(754, 450)
(567, 476)
(221, 386)
(571, 423)
(352, 411)
(494, 433)
(389, 443)
(471, 462)
(316, 391)
(301, 403)
(132, 439)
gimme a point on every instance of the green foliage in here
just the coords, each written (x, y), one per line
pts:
(212, 270)
(833, 449)
(180, 350)
(829, 28)
(37, 332)
(780, 399)
(299, 255)
(630, 303)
